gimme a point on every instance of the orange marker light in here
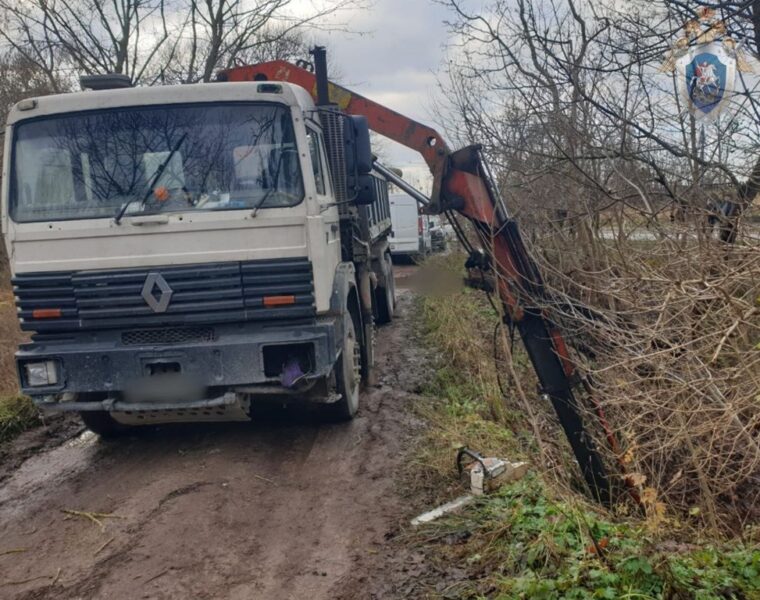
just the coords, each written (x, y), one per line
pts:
(47, 313)
(161, 194)
(272, 301)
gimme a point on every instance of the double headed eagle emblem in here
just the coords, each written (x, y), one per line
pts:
(707, 60)
(703, 30)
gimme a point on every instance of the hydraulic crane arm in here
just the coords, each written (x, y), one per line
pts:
(461, 182)
(425, 140)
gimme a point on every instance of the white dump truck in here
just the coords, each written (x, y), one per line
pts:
(178, 252)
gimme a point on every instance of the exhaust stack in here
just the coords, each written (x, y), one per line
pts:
(320, 71)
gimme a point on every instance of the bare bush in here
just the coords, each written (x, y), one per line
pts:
(671, 347)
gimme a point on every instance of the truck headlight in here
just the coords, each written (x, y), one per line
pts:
(41, 374)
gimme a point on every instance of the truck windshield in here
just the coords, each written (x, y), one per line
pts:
(154, 159)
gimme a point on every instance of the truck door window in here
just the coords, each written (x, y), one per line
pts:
(316, 161)
(323, 156)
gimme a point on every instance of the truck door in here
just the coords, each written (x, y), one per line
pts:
(325, 197)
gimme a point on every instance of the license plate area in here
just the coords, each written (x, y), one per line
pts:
(162, 367)
(164, 380)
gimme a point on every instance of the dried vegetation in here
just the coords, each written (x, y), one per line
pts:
(539, 539)
(671, 344)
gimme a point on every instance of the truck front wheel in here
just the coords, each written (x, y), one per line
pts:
(347, 373)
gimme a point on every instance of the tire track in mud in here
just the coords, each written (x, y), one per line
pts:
(286, 507)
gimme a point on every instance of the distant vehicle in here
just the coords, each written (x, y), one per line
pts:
(411, 230)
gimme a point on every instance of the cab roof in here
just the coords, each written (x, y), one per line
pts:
(290, 95)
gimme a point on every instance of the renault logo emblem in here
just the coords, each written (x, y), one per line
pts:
(156, 292)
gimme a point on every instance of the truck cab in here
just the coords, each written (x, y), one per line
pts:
(178, 252)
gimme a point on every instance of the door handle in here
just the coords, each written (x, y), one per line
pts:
(149, 220)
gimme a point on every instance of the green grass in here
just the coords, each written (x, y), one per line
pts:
(525, 544)
(530, 540)
(17, 414)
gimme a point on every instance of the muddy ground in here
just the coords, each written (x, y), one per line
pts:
(283, 508)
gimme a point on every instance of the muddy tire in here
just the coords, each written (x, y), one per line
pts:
(102, 423)
(347, 373)
(385, 296)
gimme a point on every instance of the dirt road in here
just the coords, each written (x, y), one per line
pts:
(283, 508)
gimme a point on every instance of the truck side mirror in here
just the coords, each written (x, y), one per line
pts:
(359, 157)
(359, 160)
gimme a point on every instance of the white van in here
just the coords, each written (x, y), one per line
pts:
(411, 230)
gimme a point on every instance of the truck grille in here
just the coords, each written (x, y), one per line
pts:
(332, 126)
(199, 295)
(167, 336)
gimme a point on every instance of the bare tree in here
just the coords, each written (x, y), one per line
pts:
(88, 36)
(585, 76)
(20, 78)
(157, 40)
(208, 47)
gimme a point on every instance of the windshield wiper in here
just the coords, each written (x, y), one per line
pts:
(154, 180)
(271, 190)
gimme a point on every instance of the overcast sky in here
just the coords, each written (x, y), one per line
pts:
(395, 60)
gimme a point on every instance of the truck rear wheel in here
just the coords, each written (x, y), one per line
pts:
(102, 423)
(385, 296)
(347, 372)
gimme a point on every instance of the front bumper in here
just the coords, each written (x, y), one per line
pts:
(99, 366)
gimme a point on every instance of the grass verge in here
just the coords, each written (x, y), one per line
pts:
(535, 539)
(17, 414)
(525, 543)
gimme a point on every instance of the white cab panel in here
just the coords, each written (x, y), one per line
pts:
(95, 244)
